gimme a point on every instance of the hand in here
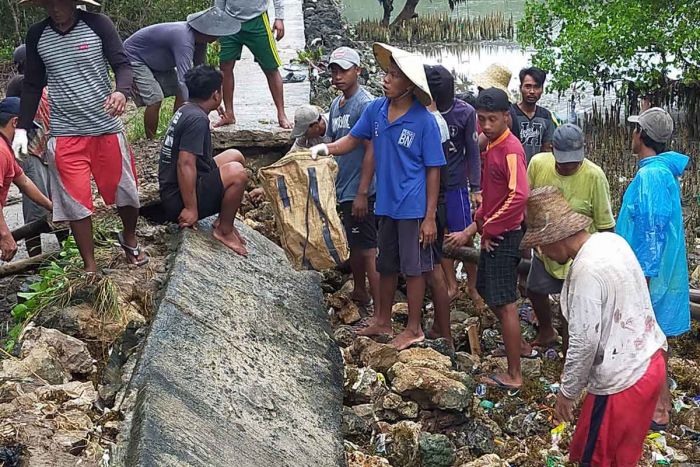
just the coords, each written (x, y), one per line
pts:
(428, 232)
(319, 150)
(458, 239)
(188, 218)
(563, 409)
(359, 206)
(476, 199)
(20, 143)
(115, 104)
(8, 246)
(278, 29)
(490, 244)
(256, 195)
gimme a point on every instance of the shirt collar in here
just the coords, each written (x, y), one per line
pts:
(499, 140)
(408, 117)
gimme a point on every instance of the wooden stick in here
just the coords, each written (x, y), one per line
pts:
(474, 340)
(32, 229)
(23, 265)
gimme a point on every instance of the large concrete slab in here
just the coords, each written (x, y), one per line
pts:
(239, 368)
(256, 117)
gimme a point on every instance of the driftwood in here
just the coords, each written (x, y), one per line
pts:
(471, 255)
(32, 229)
(695, 295)
(23, 265)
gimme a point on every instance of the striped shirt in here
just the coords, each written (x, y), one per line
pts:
(75, 65)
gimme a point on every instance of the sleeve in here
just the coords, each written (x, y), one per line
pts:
(34, 78)
(193, 137)
(651, 221)
(514, 205)
(184, 56)
(113, 50)
(602, 208)
(330, 131)
(363, 128)
(583, 311)
(550, 126)
(431, 143)
(279, 9)
(471, 147)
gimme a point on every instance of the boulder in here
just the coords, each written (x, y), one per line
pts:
(531, 368)
(359, 459)
(392, 407)
(72, 353)
(432, 388)
(466, 362)
(349, 313)
(489, 460)
(41, 361)
(379, 357)
(344, 336)
(428, 358)
(403, 444)
(436, 450)
(75, 395)
(355, 427)
(360, 384)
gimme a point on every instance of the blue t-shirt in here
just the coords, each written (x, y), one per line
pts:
(403, 150)
(340, 121)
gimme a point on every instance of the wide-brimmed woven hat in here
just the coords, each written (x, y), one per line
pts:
(550, 218)
(79, 2)
(214, 22)
(409, 63)
(495, 76)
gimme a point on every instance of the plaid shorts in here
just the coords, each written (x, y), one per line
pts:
(497, 276)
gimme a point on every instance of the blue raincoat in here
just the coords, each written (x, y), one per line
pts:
(651, 221)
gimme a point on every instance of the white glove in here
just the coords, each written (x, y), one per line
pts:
(20, 142)
(319, 150)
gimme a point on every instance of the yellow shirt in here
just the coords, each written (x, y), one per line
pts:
(587, 192)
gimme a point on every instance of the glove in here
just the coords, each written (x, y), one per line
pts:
(20, 142)
(319, 150)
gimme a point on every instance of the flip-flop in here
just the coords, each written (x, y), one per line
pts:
(501, 352)
(653, 426)
(500, 384)
(135, 251)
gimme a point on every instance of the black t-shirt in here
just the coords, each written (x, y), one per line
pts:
(533, 132)
(188, 131)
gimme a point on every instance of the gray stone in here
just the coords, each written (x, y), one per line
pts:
(239, 367)
(40, 362)
(526, 424)
(431, 388)
(476, 436)
(402, 447)
(379, 357)
(436, 450)
(392, 407)
(344, 336)
(71, 352)
(355, 427)
(360, 383)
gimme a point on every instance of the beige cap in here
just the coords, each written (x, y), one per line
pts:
(305, 116)
(656, 123)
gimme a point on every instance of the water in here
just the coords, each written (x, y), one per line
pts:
(355, 10)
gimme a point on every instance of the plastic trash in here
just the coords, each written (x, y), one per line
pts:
(480, 390)
(380, 443)
(486, 404)
(554, 461)
(551, 354)
(553, 388)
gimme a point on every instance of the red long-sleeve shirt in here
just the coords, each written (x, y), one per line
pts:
(504, 187)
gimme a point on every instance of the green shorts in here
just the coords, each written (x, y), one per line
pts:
(255, 34)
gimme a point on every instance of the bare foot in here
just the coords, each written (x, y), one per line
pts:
(407, 339)
(226, 119)
(453, 294)
(476, 299)
(361, 297)
(238, 234)
(375, 329)
(502, 380)
(284, 121)
(545, 338)
(231, 240)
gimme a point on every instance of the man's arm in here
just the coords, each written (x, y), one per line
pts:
(279, 10)
(428, 228)
(514, 205)
(548, 136)
(27, 187)
(603, 218)
(113, 50)
(359, 205)
(34, 78)
(344, 145)
(8, 246)
(187, 182)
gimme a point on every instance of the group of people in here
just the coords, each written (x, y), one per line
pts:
(420, 170)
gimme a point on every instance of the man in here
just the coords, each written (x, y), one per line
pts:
(615, 350)
(532, 124)
(355, 195)
(70, 50)
(651, 220)
(499, 219)
(11, 172)
(255, 34)
(586, 189)
(310, 127)
(161, 54)
(19, 58)
(193, 183)
(408, 157)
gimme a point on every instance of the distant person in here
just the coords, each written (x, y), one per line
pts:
(72, 51)
(496, 76)
(616, 346)
(260, 38)
(193, 183)
(532, 124)
(585, 187)
(161, 54)
(310, 127)
(11, 172)
(651, 220)
(407, 156)
(499, 220)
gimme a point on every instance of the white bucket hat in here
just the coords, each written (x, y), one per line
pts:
(409, 63)
(214, 22)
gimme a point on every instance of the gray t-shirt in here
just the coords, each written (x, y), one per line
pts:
(245, 10)
(340, 122)
(166, 46)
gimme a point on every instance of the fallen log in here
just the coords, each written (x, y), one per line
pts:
(695, 295)
(31, 229)
(471, 255)
(695, 311)
(23, 265)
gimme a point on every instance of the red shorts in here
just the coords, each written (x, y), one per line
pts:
(612, 428)
(72, 159)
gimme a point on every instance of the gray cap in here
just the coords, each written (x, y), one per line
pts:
(567, 144)
(345, 57)
(305, 116)
(214, 22)
(656, 122)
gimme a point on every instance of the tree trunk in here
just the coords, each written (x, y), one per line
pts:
(388, 6)
(408, 12)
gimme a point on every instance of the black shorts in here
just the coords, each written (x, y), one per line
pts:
(400, 249)
(497, 276)
(210, 193)
(361, 234)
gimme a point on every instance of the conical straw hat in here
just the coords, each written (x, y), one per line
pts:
(550, 218)
(409, 63)
(495, 76)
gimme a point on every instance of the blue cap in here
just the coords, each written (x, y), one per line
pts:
(9, 106)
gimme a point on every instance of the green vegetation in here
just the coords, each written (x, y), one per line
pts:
(407, 12)
(635, 46)
(135, 130)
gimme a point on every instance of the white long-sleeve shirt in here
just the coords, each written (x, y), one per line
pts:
(245, 10)
(612, 329)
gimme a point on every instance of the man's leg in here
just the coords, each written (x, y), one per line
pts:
(413, 333)
(441, 302)
(130, 216)
(229, 155)
(448, 268)
(359, 274)
(381, 321)
(151, 117)
(234, 179)
(476, 299)
(82, 232)
(546, 335)
(510, 323)
(229, 86)
(387, 267)
(274, 81)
